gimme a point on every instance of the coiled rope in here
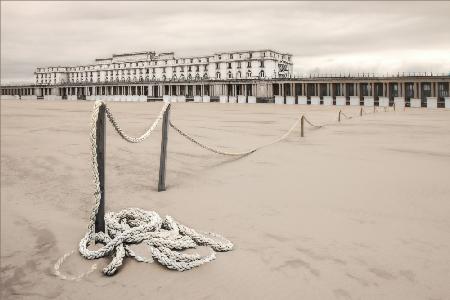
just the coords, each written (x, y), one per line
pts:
(134, 225)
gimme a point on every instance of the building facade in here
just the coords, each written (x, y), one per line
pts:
(149, 66)
(262, 76)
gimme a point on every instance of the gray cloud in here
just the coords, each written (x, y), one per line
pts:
(324, 37)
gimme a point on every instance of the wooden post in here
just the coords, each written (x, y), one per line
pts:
(163, 156)
(339, 116)
(394, 106)
(360, 112)
(302, 123)
(101, 139)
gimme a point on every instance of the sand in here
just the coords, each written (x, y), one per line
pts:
(357, 210)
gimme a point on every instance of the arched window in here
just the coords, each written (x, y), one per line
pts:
(238, 74)
(174, 77)
(249, 74)
(230, 75)
(189, 77)
(261, 74)
(197, 76)
(164, 77)
(205, 76)
(218, 75)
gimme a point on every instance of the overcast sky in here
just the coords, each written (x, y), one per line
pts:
(324, 37)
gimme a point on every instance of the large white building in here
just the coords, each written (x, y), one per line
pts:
(149, 66)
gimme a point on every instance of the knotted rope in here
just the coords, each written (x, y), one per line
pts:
(134, 225)
(345, 116)
(243, 153)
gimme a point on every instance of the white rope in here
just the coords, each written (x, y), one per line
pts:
(128, 138)
(218, 151)
(133, 225)
(345, 116)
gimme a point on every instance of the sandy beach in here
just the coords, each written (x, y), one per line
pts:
(355, 210)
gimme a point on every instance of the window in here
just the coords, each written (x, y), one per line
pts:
(251, 55)
(230, 75)
(231, 56)
(229, 65)
(197, 68)
(217, 65)
(239, 65)
(220, 57)
(249, 64)
(249, 74)
(261, 64)
(218, 75)
(189, 69)
(261, 74)
(192, 60)
(238, 74)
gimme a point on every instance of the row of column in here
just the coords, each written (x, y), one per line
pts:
(383, 89)
(258, 89)
(18, 91)
(151, 90)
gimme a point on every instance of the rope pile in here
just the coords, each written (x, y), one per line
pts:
(164, 237)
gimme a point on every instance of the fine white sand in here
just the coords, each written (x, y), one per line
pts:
(357, 210)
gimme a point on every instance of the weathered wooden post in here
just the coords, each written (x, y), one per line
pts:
(302, 125)
(101, 139)
(339, 116)
(163, 157)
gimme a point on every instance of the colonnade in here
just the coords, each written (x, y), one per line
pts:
(421, 88)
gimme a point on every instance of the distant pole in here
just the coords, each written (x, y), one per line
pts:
(101, 139)
(163, 157)
(339, 116)
(302, 125)
(360, 112)
(393, 106)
